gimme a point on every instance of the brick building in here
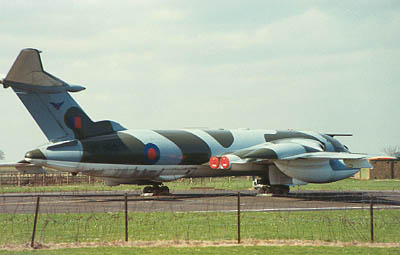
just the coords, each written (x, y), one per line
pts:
(382, 169)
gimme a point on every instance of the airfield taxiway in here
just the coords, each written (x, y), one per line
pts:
(195, 201)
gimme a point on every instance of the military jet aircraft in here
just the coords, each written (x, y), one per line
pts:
(106, 149)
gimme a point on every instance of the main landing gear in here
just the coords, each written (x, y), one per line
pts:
(275, 189)
(264, 187)
(157, 190)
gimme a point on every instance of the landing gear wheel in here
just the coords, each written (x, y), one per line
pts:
(148, 189)
(264, 190)
(279, 189)
(163, 191)
(157, 190)
(274, 189)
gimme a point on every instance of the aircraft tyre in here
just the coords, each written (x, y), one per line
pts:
(264, 190)
(148, 189)
(164, 190)
(279, 189)
(157, 190)
(274, 189)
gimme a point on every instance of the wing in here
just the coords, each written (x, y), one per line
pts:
(23, 167)
(294, 149)
(293, 160)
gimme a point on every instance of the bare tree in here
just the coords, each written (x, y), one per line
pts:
(393, 151)
(1, 155)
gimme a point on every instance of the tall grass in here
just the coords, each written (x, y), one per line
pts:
(90, 227)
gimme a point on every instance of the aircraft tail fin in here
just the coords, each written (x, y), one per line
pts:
(47, 99)
(28, 69)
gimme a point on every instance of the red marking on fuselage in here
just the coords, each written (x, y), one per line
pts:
(78, 122)
(151, 154)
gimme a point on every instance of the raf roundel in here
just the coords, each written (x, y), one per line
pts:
(151, 153)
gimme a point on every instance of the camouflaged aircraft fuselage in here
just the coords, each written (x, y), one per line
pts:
(146, 156)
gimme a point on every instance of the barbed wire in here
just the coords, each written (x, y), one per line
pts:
(200, 215)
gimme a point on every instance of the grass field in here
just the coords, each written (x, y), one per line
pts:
(345, 226)
(254, 250)
(233, 183)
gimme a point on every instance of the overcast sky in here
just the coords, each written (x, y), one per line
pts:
(326, 66)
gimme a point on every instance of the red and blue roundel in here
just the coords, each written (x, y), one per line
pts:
(151, 153)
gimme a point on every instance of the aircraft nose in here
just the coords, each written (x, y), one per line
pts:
(35, 154)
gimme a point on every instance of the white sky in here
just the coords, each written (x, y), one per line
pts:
(326, 66)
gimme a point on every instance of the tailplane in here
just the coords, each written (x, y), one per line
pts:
(47, 99)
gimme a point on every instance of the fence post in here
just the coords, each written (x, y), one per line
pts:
(35, 221)
(238, 217)
(126, 217)
(371, 214)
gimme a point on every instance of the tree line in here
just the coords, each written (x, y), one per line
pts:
(393, 151)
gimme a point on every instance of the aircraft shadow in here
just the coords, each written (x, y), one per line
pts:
(173, 197)
(359, 197)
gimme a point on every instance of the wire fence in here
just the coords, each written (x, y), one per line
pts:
(12, 178)
(199, 215)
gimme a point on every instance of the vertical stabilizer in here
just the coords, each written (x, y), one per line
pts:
(28, 69)
(47, 99)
